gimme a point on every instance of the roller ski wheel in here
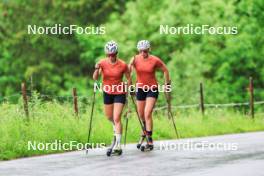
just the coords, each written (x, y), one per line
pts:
(142, 148)
(109, 152)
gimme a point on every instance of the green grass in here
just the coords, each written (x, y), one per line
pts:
(54, 121)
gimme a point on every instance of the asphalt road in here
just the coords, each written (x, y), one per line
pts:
(236, 154)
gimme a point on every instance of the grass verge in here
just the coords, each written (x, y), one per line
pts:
(54, 121)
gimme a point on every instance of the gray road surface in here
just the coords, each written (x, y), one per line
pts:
(236, 154)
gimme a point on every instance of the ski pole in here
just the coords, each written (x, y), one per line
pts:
(126, 116)
(141, 124)
(90, 123)
(171, 115)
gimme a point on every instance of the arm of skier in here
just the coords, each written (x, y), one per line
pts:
(166, 74)
(131, 65)
(130, 70)
(97, 72)
(128, 77)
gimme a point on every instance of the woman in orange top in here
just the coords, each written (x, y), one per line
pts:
(147, 91)
(113, 69)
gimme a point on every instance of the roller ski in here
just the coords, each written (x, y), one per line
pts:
(115, 151)
(149, 146)
(115, 148)
(143, 135)
(110, 149)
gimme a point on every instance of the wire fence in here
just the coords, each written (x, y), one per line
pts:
(70, 98)
(76, 100)
(186, 106)
(222, 105)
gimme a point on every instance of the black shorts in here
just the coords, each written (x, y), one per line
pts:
(142, 95)
(111, 98)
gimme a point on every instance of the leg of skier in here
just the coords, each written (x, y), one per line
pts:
(118, 107)
(150, 104)
(109, 114)
(140, 108)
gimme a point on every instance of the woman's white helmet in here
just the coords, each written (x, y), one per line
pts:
(111, 47)
(143, 45)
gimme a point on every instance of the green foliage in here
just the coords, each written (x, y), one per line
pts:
(223, 62)
(59, 62)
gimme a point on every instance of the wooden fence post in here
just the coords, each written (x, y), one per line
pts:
(75, 101)
(251, 101)
(202, 99)
(25, 100)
